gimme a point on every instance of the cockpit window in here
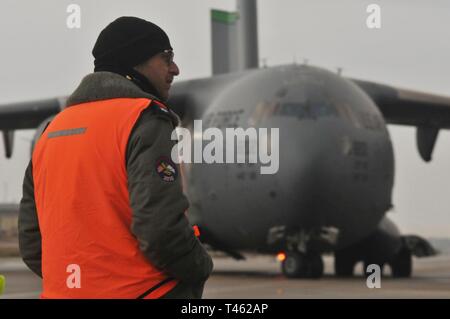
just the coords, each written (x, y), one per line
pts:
(307, 110)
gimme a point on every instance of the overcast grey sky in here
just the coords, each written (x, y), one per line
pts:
(41, 57)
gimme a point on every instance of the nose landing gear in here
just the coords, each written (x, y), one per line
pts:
(302, 247)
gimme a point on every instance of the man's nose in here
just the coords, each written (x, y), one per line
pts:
(174, 69)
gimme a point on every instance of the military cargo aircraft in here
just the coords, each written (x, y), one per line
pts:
(336, 172)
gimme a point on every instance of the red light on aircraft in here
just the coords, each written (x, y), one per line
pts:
(281, 256)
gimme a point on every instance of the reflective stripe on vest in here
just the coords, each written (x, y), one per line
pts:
(82, 201)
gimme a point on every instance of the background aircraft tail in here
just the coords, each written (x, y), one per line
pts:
(234, 38)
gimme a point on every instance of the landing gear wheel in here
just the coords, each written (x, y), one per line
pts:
(344, 265)
(293, 266)
(297, 265)
(315, 266)
(401, 265)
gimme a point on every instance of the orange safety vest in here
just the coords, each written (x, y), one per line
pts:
(83, 207)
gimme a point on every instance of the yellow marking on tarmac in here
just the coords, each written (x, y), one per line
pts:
(2, 284)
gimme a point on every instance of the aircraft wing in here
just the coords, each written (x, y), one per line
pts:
(25, 115)
(31, 114)
(28, 115)
(428, 112)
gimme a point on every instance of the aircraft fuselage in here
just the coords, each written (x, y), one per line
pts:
(336, 163)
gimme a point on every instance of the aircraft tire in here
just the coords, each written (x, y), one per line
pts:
(297, 265)
(401, 265)
(294, 265)
(343, 264)
(315, 266)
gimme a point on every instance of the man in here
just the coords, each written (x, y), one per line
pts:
(102, 213)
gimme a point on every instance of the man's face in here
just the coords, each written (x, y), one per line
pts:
(160, 71)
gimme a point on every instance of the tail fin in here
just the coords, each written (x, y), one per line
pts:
(235, 38)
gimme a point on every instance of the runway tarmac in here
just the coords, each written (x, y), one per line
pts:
(260, 277)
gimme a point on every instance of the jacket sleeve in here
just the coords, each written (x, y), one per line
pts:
(158, 206)
(29, 233)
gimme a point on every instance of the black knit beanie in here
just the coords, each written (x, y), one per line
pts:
(127, 42)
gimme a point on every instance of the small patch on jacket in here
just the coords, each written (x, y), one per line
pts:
(163, 111)
(160, 106)
(166, 169)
